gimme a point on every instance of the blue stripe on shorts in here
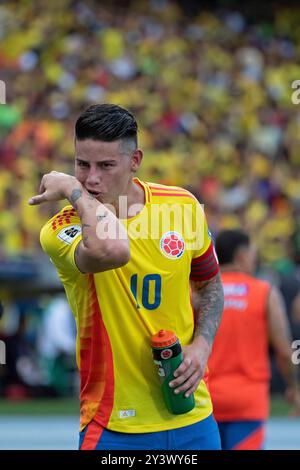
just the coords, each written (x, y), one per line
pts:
(203, 435)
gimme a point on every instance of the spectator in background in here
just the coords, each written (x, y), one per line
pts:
(239, 364)
(56, 345)
(21, 376)
(296, 315)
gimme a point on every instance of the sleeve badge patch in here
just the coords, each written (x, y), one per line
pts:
(69, 234)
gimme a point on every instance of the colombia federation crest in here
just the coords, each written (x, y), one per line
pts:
(172, 245)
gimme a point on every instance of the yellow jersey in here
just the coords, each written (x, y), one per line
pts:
(117, 311)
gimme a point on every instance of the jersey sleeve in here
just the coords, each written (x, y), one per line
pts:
(59, 238)
(204, 264)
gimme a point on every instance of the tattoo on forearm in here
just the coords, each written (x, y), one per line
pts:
(76, 194)
(101, 217)
(210, 302)
(84, 236)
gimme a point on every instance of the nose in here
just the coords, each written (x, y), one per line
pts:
(93, 178)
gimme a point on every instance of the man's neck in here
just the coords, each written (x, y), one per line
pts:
(230, 268)
(135, 200)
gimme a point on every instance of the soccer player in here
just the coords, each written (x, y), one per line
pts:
(126, 277)
(239, 372)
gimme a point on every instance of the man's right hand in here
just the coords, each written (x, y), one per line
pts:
(55, 186)
(93, 254)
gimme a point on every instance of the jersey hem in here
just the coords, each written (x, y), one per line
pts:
(140, 429)
(233, 418)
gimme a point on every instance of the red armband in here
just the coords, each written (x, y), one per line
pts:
(205, 266)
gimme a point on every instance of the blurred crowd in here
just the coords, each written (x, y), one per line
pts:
(212, 93)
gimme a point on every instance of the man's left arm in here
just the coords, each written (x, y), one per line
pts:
(208, 300)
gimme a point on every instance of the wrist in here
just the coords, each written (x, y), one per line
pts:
(70, 185)
(201, 342)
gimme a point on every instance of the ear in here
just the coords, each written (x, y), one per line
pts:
(241, 254)
(136, 160)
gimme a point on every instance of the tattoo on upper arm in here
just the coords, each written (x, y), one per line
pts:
(210, 301)
(76, 194)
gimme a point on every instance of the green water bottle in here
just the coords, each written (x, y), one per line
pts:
(167, 355)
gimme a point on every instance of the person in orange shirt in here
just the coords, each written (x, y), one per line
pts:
(239, 370)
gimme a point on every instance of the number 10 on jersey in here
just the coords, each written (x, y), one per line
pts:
(148, 289)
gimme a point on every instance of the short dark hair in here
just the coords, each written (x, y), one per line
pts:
(107, 123)
(228, 242)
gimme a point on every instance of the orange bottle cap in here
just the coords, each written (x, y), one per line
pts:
(163, 338)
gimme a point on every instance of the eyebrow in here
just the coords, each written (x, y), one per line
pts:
(79, 159)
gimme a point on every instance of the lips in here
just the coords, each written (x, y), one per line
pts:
(95, 193)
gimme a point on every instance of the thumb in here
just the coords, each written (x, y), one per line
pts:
(35, 200)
